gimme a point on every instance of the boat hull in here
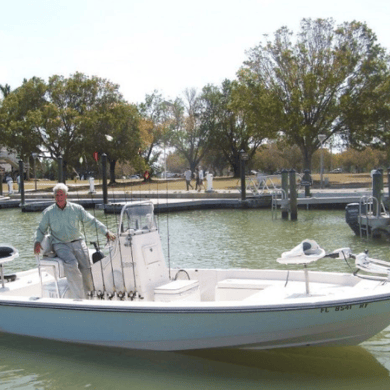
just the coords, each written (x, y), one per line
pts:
(170, 327)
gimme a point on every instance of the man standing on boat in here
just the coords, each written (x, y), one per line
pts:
(64, 219)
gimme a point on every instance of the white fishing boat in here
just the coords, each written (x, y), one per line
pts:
(139, 303)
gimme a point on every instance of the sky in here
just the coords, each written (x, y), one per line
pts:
(164, 45)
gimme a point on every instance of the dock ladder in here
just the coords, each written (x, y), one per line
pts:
(279, 196)
(367, 214)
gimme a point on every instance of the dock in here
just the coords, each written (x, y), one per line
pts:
(335, 202)
(185, 201)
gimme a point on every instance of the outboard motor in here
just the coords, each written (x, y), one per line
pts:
(352, 216)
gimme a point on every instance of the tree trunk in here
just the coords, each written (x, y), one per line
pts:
(307, 155)
(236, 165)
(65, 171)
(236, 168)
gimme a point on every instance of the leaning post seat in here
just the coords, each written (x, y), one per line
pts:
(7, 253)
(48, 261)
(49, 257)
(55, 267)
(55, 264)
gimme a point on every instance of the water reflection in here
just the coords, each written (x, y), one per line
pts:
(338, 362)
(28, 363)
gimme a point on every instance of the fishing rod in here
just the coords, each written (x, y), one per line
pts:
(126, 293)
(158, 207)
(132, 294)
(98, 255)
(91, 294)
(168, 243)
(115, 294)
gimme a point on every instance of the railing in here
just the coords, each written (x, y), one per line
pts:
(366, 212)
(266, 184)
(262, 184)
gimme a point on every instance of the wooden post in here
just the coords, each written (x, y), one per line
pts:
(243, 157)
(377, 192)
(293, 196)
(243, 184)
(285, 191)
(306, 182)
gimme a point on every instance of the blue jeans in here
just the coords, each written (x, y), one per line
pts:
(77, 266)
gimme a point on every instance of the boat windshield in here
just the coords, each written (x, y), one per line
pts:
(137, 216)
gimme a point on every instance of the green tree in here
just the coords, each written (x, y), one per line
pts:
(275, 156)
(154, 127)
(190, 135)
(215, 162)
(352, 160)
(233, 126)
(114, 130)
(69, 117)
(176, 163)
(321, 81)
(368, 118)
(16, 117)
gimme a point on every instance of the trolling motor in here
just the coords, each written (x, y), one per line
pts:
(364, 263)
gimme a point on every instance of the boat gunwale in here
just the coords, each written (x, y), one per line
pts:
(187, 308)
(209, 306)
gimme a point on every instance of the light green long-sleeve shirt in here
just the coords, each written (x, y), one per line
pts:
(65, 224)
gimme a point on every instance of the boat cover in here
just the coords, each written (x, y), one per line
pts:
(306, 252)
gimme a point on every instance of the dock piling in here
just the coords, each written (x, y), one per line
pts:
(285, 191)
(21, 178)
(377, 185)
(293, 196)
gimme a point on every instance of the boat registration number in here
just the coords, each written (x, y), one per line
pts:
(343, 307)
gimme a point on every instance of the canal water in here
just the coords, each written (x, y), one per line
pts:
(217, 239)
